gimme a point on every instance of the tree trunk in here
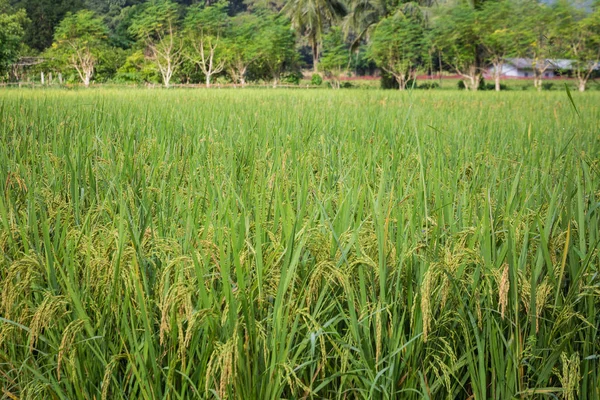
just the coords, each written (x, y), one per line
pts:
(401, 83)
(497, 74)
(582, 84)
(474, 79)
(315, 54)
(86, 80)
(537, 79)
(207, 80)
(243, 76)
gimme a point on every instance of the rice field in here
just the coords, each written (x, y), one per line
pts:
(301, 244)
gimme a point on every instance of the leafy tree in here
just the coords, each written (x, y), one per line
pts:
(205, 26)
(500, 40)
(260, 6)
(537, 29)
(110, 59)
(456, 35)
(241, 49)
(312, 17)
(102, 6)
(156, 27)
(277, 47)
(578, 36)
(336, 56)
(78, 41)
(11, 35)
(398, 45)
(364, 15)
(137, 68)
(155, 20)
(44, 15)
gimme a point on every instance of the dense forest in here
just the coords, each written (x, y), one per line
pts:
(240, 41)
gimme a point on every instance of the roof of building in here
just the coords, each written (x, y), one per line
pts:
(549, 64)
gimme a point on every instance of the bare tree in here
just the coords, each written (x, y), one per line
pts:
(84, 62)
(205, 58)
(77, 41)
(166, 54)
(238, 61)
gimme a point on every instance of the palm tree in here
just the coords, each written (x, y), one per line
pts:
(364, 15)
(312, 17)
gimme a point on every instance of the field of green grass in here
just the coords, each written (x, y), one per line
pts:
(273, 244)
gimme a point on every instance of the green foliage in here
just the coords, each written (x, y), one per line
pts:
(82, 29)
(11, 35)
(336, 54)
(155, 21)
(78, 42)
(240, 47)
(316, 80)
(311, 18)
(364, 15)
(205, 27)
(44, 15)
(277, 48)
(429, 85)
(578, 37)
(547, 85)
(292, 78)
(137, 69)
(110, 60)
(495, 25)
(388, 81)
(119, 22)
(363, 36)
(209, 20)
(457, 36)
(398, 44)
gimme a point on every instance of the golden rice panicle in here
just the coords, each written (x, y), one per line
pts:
(67, 341)
(503, 289)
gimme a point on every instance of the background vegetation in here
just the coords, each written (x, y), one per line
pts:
(234, 41)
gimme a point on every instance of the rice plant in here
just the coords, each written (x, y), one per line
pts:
(254, 244)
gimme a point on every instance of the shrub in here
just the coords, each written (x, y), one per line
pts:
(492, 86)
(483, 85)
(316, 80)
(429, 85)
(292, 78)
(547, 85)
(387, 81)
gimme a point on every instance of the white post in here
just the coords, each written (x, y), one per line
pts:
(42, 78)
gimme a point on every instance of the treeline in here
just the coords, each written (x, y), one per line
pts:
(190, 41)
